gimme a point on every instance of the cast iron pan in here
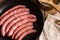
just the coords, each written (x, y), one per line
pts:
(38, 25)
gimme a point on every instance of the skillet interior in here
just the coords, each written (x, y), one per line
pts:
(34, 9)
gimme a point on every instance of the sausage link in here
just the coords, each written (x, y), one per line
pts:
(32, 16)
(31, 20)
(18, 19)
(20, 23)
(26, 33)
(21, 27)
(22, 30)
(12, 13)
(14, 8)
(23, 16)
(10, 19)
(16, 25)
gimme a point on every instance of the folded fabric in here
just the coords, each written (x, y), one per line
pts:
(51, 30)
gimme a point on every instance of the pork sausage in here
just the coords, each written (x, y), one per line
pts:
(26, 33)
(12, 13)
(20, 27)
(18, 19)
(21, 17)
(22, 30)
(18, 24)
(9, 20)
(14, 8)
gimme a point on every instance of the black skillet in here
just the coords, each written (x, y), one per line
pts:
(34, 9)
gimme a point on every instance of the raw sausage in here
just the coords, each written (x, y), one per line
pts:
(18, 24)
(12, 13)
(32, 16)
(20, 27)
(14, 8)
(18, 19)
(26, 33)
(23, 30)
(10, 19)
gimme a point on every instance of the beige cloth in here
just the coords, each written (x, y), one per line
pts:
(51, 30)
